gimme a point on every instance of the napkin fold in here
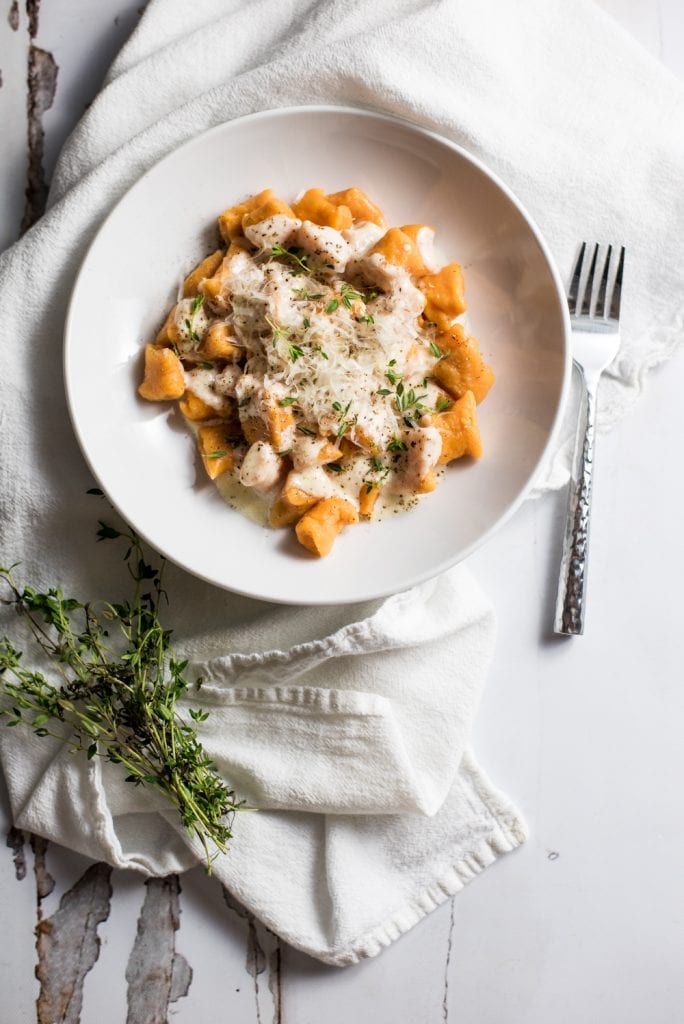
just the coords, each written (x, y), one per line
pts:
(354, 747)
(347, 726)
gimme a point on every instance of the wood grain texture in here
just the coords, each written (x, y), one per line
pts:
(13, 15)
(13, 111)
(42, 86)
(67, 943)
(16, 842)
(157, 975)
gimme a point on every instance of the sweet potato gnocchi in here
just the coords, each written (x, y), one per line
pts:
(317, 359)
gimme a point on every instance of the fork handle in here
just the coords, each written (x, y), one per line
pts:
(570, 605)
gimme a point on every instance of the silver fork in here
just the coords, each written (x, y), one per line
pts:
(595, 321)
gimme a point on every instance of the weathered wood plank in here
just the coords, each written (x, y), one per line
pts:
(84, 37)
(67, 943)
(157, 975)
(16, 841)
(18, 915)
(42, 85)
(13, 103)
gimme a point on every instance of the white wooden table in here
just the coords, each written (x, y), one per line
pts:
(582, 924)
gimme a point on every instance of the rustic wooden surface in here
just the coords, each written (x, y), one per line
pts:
(584, 923)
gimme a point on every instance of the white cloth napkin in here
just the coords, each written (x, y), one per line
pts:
(347, 726)
(354, 749)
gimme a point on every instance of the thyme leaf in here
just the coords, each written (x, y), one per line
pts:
(118, 692)
(397, 445)
(297, 257)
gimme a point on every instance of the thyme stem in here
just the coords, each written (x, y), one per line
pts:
(117, 696)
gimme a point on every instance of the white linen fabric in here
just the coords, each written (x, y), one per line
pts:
(354, 749)
(349, 726)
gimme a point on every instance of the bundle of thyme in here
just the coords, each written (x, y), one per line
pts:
(116, 699)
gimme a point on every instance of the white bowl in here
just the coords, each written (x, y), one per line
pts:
(143, 455)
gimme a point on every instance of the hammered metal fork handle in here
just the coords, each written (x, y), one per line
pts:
(570, 605)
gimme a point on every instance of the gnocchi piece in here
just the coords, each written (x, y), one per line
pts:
(169, 333)
(280, 424)
(206, 268)
(313, 451)
(262, 416)
(272, 231)
(444, 294)
(194, 409)
(359, 205)
(368, 495)
(261, 467)
(319, 209)
(424, 449)
(184, 327)
(217, 343)
(318, 528)
(362, 437)
(459, 430)
(424, 238)
(394, 280)
(230, 221)
(214, 389)
(326, 245)
(462, 368)
(361, 237)
(236, 264)
(164, 378)
(290, 505)
(216, 449)
(272, 207)
(400, 250)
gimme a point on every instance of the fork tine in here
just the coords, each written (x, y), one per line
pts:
(574, 284)
(617, 288)
(589, 286)
(601, 297)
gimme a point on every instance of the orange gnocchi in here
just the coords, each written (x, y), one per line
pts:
(319, 359)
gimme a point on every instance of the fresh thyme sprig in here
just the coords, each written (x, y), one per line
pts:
(350, 295)
(297, 257)
(197, 304)
(397, 445)
(120, 682)
(377, 474)
(409, 403)
(278, 332)
(391, 373)
(344, 424)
